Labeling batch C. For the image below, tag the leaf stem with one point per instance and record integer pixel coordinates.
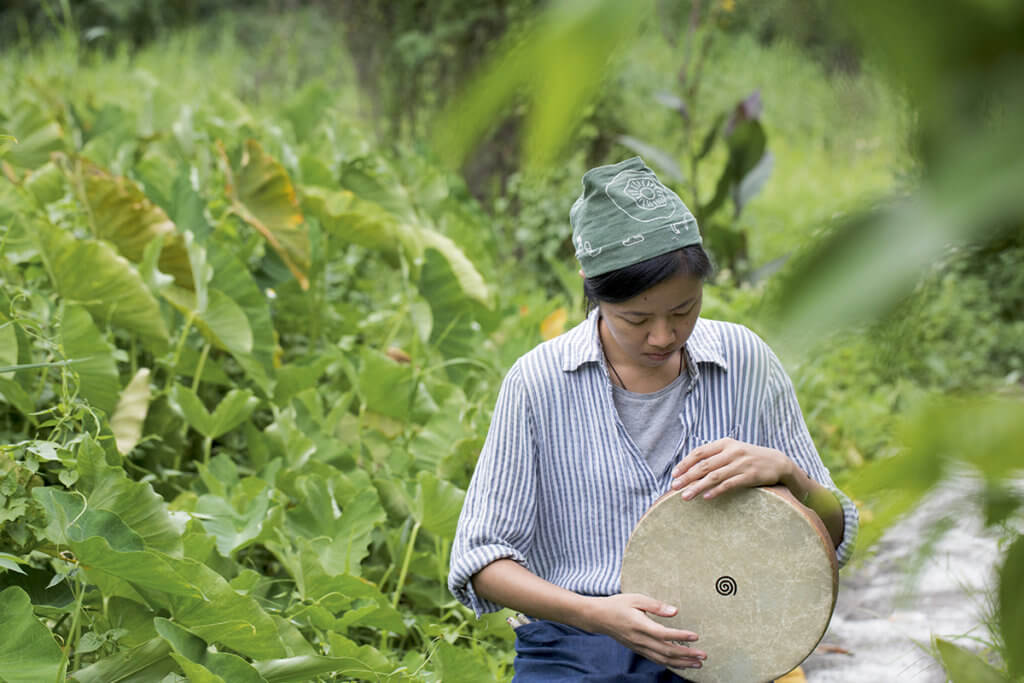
(178, 349)
(405, 565)
(199, 367)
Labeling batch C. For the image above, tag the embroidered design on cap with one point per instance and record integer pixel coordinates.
(651, 201)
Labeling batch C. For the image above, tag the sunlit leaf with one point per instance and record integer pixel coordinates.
(199, 664)
(28, 653)
(99, 382)
(126, 422)
(46, 183)
(123, 215)
(455, 328)
(262, 194)
(240, 521)
(92, 274)
(965, 667)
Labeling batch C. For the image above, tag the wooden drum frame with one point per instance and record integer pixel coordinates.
(752, 572)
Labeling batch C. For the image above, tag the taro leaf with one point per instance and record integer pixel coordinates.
(223, 322)
(364, 661)
(560, 61)
(753, 182)
(126, 422)
(93, 274)
(746, 141)
(390, 388)
(194, 594)
(134, 619)
(198, 663)
(99, 382)
(436, 504)
(1010, 611)
(11, 562)
(458, 664)
(12, 392)
(232, 410)
(187, 208)
(455, 329)
(390, 195)
(147, 662)
(347, 217)
(668, 165)
(965, 667)
(262, 194)
(71, 521)
(124, 216)
(108, 487)
(231, 277)
(305, 108)
(28, 653)
(338, 523)
(37, 134)
(469, 279)
(47, 183)
(238, 522)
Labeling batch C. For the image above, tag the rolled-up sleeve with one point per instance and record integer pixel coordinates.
(785, 429)
(497, 518)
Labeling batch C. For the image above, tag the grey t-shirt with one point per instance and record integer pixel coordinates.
(653, 420)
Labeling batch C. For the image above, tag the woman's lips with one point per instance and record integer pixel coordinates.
(660, 356)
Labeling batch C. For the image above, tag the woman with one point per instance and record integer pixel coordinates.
(592, 427)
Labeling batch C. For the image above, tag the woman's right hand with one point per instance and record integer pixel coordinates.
(624, 618)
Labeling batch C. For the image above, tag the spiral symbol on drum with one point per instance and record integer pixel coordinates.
(726, 585)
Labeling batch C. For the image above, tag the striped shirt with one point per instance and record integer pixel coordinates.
(560, 485)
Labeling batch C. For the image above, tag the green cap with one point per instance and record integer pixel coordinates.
(625, 215)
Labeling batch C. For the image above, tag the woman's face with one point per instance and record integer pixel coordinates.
(648, 330)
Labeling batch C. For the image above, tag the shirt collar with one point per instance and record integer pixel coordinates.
(584, 344)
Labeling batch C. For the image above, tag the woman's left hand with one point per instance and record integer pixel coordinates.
(726, 464)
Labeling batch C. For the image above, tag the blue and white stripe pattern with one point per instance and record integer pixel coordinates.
(560, 485)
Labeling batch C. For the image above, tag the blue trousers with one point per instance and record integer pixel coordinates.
(547, 651)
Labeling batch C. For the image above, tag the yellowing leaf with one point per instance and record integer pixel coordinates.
(126, 218)
(126, 422)
(554, 324)
(794, 676)
(262, 194)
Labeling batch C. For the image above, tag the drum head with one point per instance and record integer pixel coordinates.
(752, 572)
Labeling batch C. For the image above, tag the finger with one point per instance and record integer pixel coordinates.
(700, 469)
(700, 453)
(712, 480)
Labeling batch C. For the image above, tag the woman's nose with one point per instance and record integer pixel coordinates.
(661, 335)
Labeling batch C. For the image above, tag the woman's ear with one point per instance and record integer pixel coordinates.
(580, 271)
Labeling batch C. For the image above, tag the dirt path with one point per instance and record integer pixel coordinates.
(886, 625)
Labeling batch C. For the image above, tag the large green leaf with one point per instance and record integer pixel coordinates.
(965, 667)
(93, 274)
(130, 414)
(37, 135)
(96, 368)
(221, 321)
(240, 521)
(123, 215)
(145, 663)
(231, 277)
(337, 519)
(201, 665)
(1010, 607)
(262, 194)
(135, 502)
(436, 504)
(232, 410)
(28, 653)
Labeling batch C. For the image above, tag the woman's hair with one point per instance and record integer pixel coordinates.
(625, 283)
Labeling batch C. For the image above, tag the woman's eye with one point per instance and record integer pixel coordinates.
(634, 322)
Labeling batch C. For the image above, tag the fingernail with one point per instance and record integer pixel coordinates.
(687, 494)
(695, 665)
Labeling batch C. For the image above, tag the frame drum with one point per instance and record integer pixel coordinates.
(752, 572)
